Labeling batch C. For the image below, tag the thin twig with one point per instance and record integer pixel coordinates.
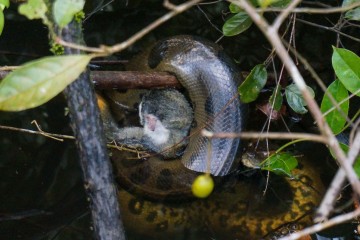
(329, 29)
(42, 133)
(268, 135)
(314, 10)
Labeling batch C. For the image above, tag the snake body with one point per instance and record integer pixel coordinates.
(211, 79)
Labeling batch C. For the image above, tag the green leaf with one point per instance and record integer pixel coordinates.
(346, 65)
(4, 4)
(254, 82)
(335, 119)
(33, 9)
(237, 24)
(38, 81)
(276, 98)
(295, 99)
(235, 8)
(2, 20)
(64, 10)
(280, 163)
(353, 14)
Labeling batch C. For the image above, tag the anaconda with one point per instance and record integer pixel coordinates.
(237, 209)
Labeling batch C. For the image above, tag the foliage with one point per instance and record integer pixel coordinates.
(281, 163)
(237, 24)
(336, 119)
(38, 81)
(353, 14)
(254, 82)
(240, 21)
(276, 99)
(346, 66)
(3, 4)
(65, 10)
(295, 98)
(34, 9)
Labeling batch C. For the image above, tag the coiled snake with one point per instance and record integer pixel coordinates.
(235, 210)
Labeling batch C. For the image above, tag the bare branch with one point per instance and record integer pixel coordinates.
(132, 79)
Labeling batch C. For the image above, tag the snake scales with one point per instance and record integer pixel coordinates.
(237, 209)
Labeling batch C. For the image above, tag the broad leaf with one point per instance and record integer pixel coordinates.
(38, 81)
(254, 82)
(4, 4)
(2, 20)
(346, 65)
(280, 163)
(335, 119)
(235, 8)
(237, 24)
(295, 98)
(64, 10)
(276, 98)
(353, 14)
(33, 9)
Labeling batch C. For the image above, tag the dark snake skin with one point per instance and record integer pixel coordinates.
(211, 79)
(156, 202)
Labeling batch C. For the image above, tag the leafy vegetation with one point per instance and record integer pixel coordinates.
(38, 81)
(3, 4)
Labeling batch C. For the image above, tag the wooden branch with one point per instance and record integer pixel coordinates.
(132, 79)
(128, 79)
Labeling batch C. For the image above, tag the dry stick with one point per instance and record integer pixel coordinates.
(132, 79)
(42, 133)
(272, 35)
